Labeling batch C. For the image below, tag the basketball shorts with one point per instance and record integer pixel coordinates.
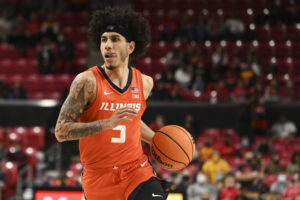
(117, 182)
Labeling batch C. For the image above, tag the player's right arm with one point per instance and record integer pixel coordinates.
(82, 92)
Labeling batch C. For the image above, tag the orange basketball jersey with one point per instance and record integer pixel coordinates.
(121, 144)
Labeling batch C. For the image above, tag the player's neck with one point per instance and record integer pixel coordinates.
(119, 75)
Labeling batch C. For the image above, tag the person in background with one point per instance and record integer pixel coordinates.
(206, 151)
(280, 185)
(46, 58)
(50, 27)
(5, 27)
(3, 178)
(216, 168)
(274, 166)
(294, 165)
(33, 29)
(18, 92)
(202, 189)
(66, 53)
(247, 174)
(230, 191)
(284, 128)
(227, 148)
(294, 190)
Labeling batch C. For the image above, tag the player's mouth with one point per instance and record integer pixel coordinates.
(110, 56)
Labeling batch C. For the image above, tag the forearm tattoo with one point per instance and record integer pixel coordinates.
(68, 127)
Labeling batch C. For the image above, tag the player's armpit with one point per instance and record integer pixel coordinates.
(147, 85)
(82, 91)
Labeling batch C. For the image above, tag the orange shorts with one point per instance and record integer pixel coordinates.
(117, 182)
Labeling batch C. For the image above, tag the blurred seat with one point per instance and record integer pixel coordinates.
(6, 66)
(278, 33)
(263, 33)
(81, 49)
(62, 82)
(270, 179)
(20, 66)
(36, 137)
(32, 156)
(47, 83)
(32, 66)
(11, 170)
(31, 83)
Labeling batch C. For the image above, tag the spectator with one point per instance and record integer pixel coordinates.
(239, 92)
(186, 180)
(16, 154)
(227, 148)
(66, 53)
(160, 93)
(284, 128)
(202, 188)
(274, 166)
(247, 74)
(219, 61)
(175, 92)
(230, 190)
(189, 124)
(234, 28)
(198, 83)
(174, 59)
(183, 76)
(294, 165)
(280, 185)
(288, 92)
(216, 168)
(50, 27)
(264, 148)
(46, 58)
(17, 34)
(18, 92)
(5, 27)
(254, 61)
(294, 190)
(4, 90)
(158, 123)
(2, 181)
(33, 29)
(247, 174)
(245, 145)
(272, 91)
(2, 152)
(206, 151)
(214, 28)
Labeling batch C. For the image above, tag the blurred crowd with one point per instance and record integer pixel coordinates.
(226, 166)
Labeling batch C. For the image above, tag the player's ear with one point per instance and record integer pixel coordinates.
(131, 47)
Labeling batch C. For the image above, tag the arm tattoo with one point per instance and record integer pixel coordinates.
(68, 127)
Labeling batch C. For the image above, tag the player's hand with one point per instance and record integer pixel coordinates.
(121, 114)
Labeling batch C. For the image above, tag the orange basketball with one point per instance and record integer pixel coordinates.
(172, 147)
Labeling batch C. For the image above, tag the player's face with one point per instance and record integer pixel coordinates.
(115, 49)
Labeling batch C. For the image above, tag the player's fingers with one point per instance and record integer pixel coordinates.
(126, 114)
(125, 119)
(126, 109)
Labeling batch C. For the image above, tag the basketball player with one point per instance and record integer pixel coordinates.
(103, 111)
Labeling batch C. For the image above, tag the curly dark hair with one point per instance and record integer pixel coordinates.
(125, 17)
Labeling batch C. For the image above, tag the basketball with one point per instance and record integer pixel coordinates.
(172, 147)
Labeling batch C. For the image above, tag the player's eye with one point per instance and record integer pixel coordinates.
(103, 39)
(115, 39)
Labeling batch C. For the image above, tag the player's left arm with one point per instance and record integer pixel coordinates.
(147, 133)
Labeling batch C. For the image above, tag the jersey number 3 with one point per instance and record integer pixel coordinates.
(122, 137)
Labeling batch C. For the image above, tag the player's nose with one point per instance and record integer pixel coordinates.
(108, 44)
